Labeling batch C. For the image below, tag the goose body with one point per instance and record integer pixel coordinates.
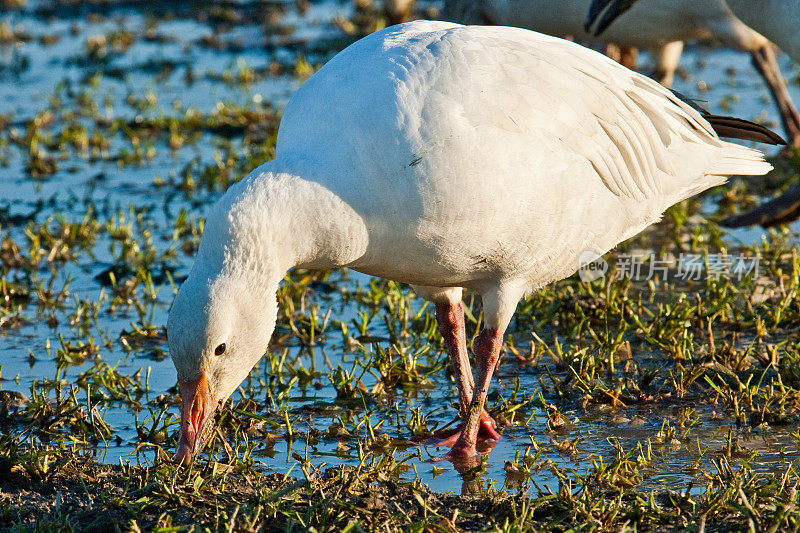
(447, 157)
(505, 101)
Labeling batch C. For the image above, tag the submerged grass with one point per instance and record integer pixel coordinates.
(668, 403)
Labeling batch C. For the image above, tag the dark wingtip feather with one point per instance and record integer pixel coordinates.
(732, 127)
(737, 128)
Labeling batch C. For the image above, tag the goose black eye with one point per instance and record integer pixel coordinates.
(219, 350)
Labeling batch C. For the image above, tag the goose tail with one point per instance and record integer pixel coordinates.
(739, 160)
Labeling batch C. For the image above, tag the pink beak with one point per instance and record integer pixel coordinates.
(196, 409)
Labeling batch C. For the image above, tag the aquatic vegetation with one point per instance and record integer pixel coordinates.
(642, 401)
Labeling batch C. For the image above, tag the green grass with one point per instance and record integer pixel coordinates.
(625, 405)
(74, 494)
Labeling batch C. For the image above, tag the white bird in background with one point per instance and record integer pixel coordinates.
(446, 157)
(658, 25)
(779, 21)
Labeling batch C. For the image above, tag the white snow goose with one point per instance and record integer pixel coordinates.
(446, 157)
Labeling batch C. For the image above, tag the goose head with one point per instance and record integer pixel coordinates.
(224, 313)
(218, 328)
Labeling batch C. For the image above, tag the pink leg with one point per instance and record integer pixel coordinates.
(450, 318)
(487, 351)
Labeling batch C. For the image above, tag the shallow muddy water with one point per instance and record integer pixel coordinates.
(147, 170)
